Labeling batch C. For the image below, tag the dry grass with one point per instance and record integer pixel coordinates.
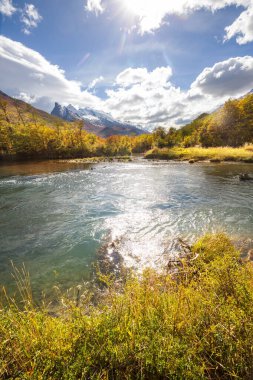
(243, 154)
(195, 324)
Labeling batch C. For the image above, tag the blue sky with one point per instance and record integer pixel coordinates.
(152, 62)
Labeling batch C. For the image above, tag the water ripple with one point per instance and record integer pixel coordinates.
(56, 220)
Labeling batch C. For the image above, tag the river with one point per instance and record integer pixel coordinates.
(56, 215)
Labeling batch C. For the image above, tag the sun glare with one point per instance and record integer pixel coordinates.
(150, 13)
(139, 7)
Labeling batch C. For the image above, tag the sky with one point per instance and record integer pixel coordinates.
(148, 62)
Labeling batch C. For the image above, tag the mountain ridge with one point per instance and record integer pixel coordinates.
(100, 122)
(19, 109)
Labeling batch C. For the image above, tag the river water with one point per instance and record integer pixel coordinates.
(54, 216)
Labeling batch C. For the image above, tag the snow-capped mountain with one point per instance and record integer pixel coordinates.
(97, 122)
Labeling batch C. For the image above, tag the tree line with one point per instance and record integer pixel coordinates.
(24, 137)
(231, 125)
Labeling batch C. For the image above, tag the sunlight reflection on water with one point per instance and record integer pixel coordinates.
(54, 217)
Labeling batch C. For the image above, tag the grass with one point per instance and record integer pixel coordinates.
(193, 323)
(243, 154)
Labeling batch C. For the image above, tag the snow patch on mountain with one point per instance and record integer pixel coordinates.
(99, 119)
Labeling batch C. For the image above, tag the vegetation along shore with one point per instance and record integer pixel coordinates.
(217, 154)
(193, 322)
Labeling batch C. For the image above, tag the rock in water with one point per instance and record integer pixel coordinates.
(245, 177)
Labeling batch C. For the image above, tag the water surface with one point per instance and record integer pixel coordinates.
(55, 216)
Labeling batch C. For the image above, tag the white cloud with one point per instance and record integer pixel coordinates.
(30, 17)
(151, 14)
(147, 98)
(26, 98)
(131, 76)
(242, 28)
(94, 6)
(25, 70)
(228, 78)
(95, 82)
(7, 8)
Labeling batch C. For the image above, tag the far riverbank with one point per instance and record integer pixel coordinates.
(216, 154)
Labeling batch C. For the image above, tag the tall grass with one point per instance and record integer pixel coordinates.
(194, 323)
(244, 154)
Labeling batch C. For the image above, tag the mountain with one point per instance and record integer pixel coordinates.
(95, 121)
(19, 111)
(27, 133)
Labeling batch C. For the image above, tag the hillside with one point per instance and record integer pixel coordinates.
(14, 110)
(230, 125)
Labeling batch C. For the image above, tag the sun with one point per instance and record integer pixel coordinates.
(149, 13)
(140, 8)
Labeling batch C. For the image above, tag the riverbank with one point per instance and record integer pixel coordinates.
(95, 160)
(243, 154)
(195, 322)
(77, 160)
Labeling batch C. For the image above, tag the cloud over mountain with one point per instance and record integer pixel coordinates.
(27, 71)
(137, 95)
